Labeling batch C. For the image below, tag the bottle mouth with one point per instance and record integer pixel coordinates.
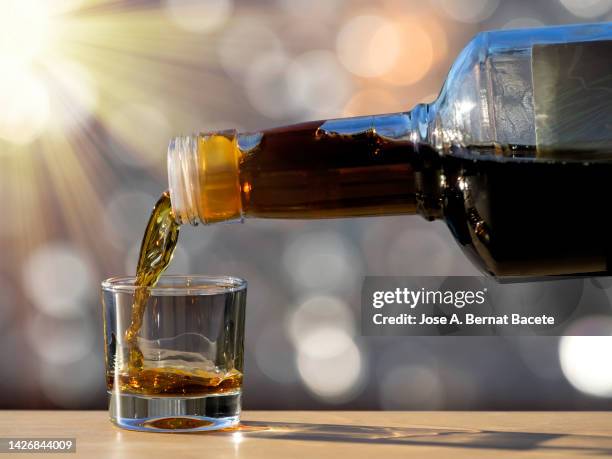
(203, 177)
(183, 178)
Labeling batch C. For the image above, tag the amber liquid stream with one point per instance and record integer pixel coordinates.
(158, 244)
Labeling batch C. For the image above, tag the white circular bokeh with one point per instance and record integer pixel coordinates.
(318, 84)
(60, 341)
(330, 364)
(585, 361)
(267, 87)
(317, 311)
(587, 8)
(323, 262)
(58, 280)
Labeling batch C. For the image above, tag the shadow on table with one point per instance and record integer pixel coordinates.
(415, 436)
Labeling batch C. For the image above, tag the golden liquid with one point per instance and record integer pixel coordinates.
(158, 244)
(174, 381)
(219, 198)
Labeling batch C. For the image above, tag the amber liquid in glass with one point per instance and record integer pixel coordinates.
(158, 244)
(174, 381)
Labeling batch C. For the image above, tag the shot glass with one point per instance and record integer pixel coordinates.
(182, 370)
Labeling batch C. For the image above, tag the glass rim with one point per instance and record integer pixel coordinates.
(192, 284)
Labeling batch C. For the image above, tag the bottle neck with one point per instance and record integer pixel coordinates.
(362, 166)
(414, 125)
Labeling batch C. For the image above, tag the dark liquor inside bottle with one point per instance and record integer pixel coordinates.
(518, 217)
(515, 155)
(302, 172)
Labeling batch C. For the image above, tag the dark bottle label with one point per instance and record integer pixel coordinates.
(572, 92)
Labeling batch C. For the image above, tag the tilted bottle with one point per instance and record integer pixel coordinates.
(515, 155)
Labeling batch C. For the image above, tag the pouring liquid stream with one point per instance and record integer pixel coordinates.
(158, 244)
(146, 378)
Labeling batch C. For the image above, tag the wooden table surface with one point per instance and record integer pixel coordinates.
(334, 434)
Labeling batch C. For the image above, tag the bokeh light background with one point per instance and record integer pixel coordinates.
(90, 93)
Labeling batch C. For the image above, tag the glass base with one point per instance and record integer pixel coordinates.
(175, 414)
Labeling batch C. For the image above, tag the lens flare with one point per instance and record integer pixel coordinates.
(25, 106)
(87, 88)
(25, 31)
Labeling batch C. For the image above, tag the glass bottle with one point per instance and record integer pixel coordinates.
(515, 155)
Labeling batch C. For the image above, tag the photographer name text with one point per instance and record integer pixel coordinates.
(468, 319)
